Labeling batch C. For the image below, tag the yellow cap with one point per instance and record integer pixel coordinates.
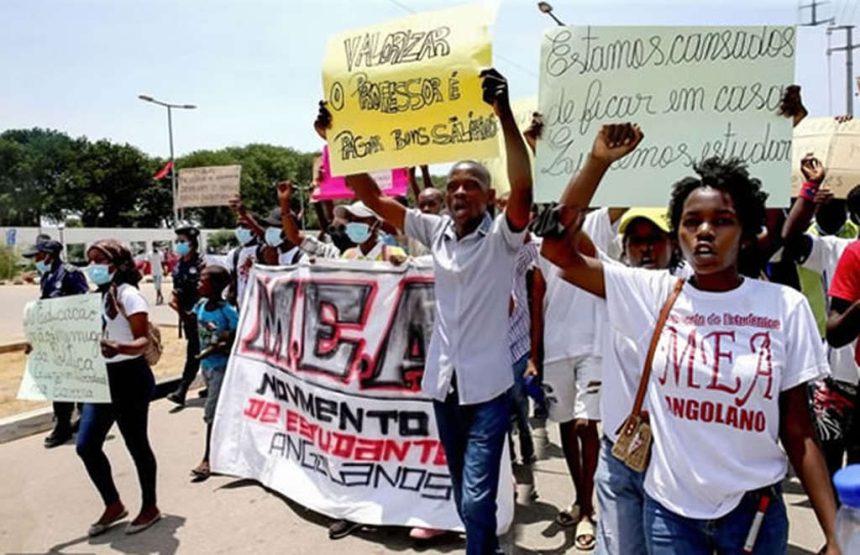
(656, 216)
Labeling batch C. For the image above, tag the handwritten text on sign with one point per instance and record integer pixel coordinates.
(408, 92)
(697, 92)
(836, 144)
(209, 186)
(322, 398)
(66, 363)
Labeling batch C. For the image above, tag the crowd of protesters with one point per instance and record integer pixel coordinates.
(747, 315)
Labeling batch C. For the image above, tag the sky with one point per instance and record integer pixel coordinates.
(253, 67)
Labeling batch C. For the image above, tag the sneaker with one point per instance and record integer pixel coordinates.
(58, 436)
(341, 529)
(424, 534)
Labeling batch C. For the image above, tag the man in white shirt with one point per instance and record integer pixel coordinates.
(156, 269)
(468, 371)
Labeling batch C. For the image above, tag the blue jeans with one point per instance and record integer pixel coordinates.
(520, 411)
(672, 534)
(474, 437)
(131, 388)
(620, 501)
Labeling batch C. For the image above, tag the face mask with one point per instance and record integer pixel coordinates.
(273, 236)
(358, 232)
(244, 235)
(100, 274)
(183, 248)
(42, 266)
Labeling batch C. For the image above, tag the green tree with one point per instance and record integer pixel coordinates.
(262, 166)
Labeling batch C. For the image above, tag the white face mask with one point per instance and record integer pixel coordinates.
(273, 236)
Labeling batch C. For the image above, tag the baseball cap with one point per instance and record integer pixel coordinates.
(656, 216)
(47, 246)
(357, 209)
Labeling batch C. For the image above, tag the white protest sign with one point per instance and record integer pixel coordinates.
(209, 186)
(836, 144)
(322, 399)
(66, 362)
(697, 92)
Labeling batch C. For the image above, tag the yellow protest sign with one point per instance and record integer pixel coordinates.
(408, 92)
(523, 109)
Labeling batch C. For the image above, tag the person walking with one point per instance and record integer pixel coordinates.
(57, 279)
(186, 276)
(126, 320)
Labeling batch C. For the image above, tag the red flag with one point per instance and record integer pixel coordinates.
(162, 173)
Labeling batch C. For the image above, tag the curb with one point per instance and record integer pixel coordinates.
(41, 420)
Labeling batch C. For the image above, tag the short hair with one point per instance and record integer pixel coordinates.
(853, 202)
(219, 276)
(731, 177)
(478, 168)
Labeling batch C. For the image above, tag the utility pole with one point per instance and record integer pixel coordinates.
(815, 22)
(849, 63)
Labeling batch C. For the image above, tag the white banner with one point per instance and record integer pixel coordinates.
(697, 92)
(66, 362)
(322, 398)
(208, 186)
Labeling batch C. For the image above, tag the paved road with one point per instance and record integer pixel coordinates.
(47, 503)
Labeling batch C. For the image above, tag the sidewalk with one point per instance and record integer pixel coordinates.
(47, 504)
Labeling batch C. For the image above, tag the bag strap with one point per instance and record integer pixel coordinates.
(652, 348)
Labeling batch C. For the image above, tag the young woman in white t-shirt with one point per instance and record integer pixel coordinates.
(125, 318)
(729, 373)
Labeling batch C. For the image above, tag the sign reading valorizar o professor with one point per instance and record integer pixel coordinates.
(696, 92)
(208, 186)
(408, 92)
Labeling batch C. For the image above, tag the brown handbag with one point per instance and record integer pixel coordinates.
(633, 446)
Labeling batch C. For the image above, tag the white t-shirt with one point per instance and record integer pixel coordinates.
(290, 257)
(823, 258)
(118, 329)
(571, 325)
(156, 262)
(622, 365)
(722, 361)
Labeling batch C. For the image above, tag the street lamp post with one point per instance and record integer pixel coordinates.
(546, 7)
(170, 107)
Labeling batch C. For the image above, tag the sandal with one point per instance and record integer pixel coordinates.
(569, 516)
(201, 473)
(586, 538)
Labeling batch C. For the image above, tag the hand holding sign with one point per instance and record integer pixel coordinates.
(323, 122)
(791, 105)
(494, 89)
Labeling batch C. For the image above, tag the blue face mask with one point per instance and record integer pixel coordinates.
(100, 274)
(244, 235)
(273, 236)
(358, 232)
(183, 248)
(42, 267)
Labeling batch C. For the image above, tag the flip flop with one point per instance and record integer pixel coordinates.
(199, 474)
(569, 516)
(586, 538)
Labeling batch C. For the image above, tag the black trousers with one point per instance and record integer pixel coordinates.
(192, 349)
